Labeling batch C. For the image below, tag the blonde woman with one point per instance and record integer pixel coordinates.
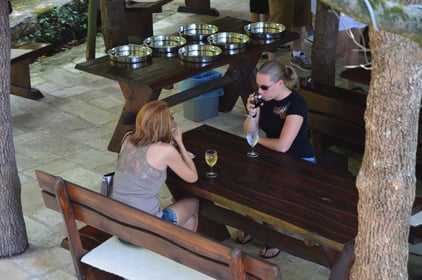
(283, 116)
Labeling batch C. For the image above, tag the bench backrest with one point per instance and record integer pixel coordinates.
(336, 117)
(192, 249)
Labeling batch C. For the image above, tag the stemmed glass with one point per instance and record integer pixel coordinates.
(211, 157)
(252, 138)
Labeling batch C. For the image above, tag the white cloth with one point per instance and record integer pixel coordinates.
(135, 263)
(347, 22)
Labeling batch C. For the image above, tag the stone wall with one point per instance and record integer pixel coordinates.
(23, 19)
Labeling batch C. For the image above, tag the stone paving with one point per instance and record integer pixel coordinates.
(67, 133)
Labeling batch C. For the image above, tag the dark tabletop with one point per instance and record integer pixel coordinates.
(303, 197)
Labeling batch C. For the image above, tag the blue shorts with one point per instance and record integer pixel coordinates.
(169, 216)
(310, 159)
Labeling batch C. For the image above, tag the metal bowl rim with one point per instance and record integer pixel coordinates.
(262, 24)
(199, 59)
(150, 42)
(180, 29)
(243, 37)
(125, 59)
(155, 38)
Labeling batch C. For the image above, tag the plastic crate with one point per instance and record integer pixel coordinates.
(204, 106)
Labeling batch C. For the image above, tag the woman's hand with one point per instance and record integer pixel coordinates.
(250, 106)
(176, 133)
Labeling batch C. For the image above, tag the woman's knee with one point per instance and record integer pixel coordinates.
(195, 203)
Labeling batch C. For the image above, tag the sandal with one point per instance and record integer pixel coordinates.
(267, 254)
(246, 238)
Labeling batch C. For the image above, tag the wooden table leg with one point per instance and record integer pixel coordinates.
(135, 98)
(343, 263)
(201, 7)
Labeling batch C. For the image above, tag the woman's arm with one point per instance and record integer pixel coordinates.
(288, 134)
(252, 118)
(181, 161)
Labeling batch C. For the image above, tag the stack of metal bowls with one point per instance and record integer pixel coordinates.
(197, 31)
(229, 42)
(264, 32)
(165, 45)
(197, 52)
(131, 53)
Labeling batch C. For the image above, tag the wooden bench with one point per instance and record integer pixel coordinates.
(22, 55)
(201, 7)
(139, 22)
(359, 75)
(170, 242)
(336, 118)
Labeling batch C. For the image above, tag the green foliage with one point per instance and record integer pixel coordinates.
(62, 25)
(395, 12)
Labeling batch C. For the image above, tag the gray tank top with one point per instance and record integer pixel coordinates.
(136, 183)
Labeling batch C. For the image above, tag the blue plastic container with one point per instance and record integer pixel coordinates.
(204, 106)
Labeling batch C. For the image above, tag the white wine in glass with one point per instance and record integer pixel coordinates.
(211, 158)
(252, 138)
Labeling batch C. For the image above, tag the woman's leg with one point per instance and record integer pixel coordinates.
(187, 212)
(352, 55)
(341, 44)
(253, 17)
(348, 49)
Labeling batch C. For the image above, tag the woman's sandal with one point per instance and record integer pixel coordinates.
(246, 238)
(269, 255)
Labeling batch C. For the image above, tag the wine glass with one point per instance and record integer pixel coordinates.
(211, 157)
(252, 138)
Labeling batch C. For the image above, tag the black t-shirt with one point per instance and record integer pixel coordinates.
(272, 117)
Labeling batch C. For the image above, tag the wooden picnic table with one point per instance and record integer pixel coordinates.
(143, 84)
(305, 200)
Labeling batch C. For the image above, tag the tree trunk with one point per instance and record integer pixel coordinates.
(13, 238)
(386, 180)
(324, 46)
(113, 23)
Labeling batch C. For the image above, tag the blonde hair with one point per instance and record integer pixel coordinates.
(277, 72)
(153, 124)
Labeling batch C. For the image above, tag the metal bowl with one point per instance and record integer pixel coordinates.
(165, 43)
(199, 53)
(265, 30)
(130, 53)
(197, 31)
(229, 40)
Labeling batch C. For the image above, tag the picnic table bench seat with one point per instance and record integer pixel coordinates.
(23, 54)
(172, 250)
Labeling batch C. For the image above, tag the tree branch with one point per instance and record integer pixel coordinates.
(390, 16)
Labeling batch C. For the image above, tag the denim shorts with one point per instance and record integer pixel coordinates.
(169, 216)
(310, 159)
